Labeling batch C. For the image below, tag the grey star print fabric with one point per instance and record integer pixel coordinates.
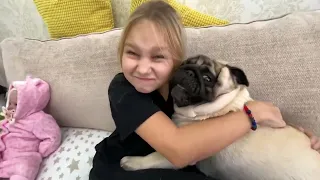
(73, 159)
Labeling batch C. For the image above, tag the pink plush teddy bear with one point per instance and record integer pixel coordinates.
(28, 133)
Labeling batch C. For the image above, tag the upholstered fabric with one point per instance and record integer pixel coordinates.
(20, 18)
(189, 16)
(280, 58)
(67, 18)
(3, 79)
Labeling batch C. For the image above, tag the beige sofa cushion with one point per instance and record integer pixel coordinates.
(280, 57)
(78, 70)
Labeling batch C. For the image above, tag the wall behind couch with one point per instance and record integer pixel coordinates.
(232, 10)
(20, 17)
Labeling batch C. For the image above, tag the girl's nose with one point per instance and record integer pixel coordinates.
(144, 66)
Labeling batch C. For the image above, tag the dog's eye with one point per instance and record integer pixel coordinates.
(207, 78)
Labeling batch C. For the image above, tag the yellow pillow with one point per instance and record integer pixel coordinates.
(66, 18)
(190, 17)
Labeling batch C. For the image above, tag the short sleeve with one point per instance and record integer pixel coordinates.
(129, 108)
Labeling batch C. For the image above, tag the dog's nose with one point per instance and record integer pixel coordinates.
(190, 73)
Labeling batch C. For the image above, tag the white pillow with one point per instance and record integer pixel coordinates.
(73, 159)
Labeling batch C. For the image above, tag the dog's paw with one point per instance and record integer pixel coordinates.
(131, 163)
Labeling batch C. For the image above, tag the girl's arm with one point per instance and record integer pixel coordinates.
(196, 141)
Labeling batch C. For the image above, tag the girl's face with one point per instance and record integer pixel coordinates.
(146, 62)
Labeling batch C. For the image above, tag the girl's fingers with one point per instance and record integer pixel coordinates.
(301, 129)
(316, 146)
(314, 140)
(308, 133)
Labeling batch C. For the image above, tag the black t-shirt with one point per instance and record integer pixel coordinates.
(130, 109)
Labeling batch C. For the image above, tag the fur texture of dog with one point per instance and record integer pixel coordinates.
(205, 88)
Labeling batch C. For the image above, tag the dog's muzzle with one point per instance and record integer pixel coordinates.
(187, 88)
(187, 80)
(180, 96)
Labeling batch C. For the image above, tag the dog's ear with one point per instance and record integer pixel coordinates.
(239, 75)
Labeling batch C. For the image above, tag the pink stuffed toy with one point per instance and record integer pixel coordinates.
(28, 134)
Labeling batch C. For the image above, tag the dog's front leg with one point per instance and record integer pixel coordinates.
(151, 161)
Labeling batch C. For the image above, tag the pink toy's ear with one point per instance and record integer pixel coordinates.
(36, 81)
(28, 77)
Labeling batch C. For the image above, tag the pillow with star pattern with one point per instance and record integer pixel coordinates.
(73, 159)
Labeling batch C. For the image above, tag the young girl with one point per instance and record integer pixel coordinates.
(152, 46)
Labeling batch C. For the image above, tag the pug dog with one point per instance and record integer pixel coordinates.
(205, 88)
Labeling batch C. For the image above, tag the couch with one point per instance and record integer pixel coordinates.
(280, 57)
(21, 18)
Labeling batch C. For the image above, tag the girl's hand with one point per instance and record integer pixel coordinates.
(266, 114)
(315, 141)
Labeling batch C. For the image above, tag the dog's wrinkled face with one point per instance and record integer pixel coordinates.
(200, 79)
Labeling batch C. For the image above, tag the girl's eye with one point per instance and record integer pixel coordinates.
(131, 53)
(207, 78)
(158, 57)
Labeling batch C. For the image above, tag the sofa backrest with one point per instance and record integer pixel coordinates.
(3, 80)
(279, 56)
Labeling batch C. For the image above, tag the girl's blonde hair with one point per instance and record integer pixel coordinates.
(166, 20)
